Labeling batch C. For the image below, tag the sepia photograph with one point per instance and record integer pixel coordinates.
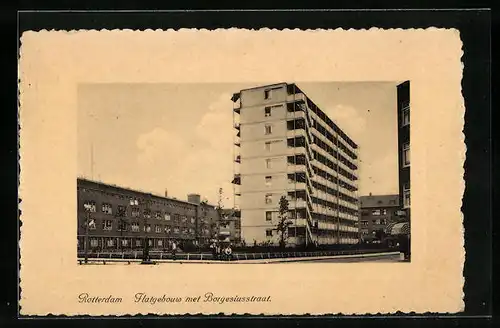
(246, 173)
(234, 171)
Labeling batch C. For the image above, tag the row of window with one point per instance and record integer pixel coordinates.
(375, 212)
(135, 201)
(377, 221)
(107, 225)
(112, 242)
(135, 211)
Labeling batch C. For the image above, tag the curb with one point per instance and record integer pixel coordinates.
(262, 261)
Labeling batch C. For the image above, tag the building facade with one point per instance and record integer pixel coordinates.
(403, 97)
(286, 146)
(377, 212)
(116, 218)
(232, 231)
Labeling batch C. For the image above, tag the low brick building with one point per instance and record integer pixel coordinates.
(377, 211)
(117, 218)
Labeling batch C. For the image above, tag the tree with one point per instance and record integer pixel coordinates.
(223, 216)
(121, 214)
(283, 221)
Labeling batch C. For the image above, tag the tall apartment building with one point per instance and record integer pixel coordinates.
(403, 97)
(286, 145)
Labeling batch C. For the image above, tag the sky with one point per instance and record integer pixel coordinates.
(179, 137)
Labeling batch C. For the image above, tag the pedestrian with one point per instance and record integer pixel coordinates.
(174, 250)
(213, 247)
(228, 252)
(218, 251)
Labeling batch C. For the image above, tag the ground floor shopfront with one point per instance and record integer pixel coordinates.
(122, 243)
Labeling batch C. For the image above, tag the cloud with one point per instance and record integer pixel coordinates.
(349, 120)
(199, 161)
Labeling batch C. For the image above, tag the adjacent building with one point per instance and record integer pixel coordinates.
(377, 212)
(116, 218)
(403, 98)
(285, 145)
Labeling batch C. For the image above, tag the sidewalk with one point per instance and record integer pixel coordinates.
(262, 261)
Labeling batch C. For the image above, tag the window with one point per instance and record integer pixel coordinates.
(364, 223)
(268, 163)
(406, 154)
(384, 211)
(160, 243)
(364, 232)
(377, 221)
(107, 225)
(89, 206)
(269, 216)
(405, 114)
(134, 227)
(124, 242)
(267, 94)
(110, 243)
(406, 195)
(269, 198)
(167, 216)
(94, 242)
(138, 242)
(168, 229)
(383, 221)
(135, 212)
(158, 215)
(122, 226)
(147, 228)
(121, 211)
(268, 181)
(376, 212)
(269, 129)
(147, 213)
(267, 111)
(176, 230)
(106, 208)
(269, 232)
(92, 224)
(158, 229)
(268, 146)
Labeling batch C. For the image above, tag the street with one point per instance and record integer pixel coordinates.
(379, 259)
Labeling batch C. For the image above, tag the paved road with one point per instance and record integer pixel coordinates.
(380, 259)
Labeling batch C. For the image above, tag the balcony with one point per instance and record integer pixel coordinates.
(296, 97)
(237, 179)
(296, 185)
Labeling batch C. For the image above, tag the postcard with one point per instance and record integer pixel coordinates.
(265, 172)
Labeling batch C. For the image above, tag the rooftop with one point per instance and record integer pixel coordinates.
(117, 188)
(374, 201)
(294, 89)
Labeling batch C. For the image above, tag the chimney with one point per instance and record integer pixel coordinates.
(166, 193)
(194, 198)
(370, 194)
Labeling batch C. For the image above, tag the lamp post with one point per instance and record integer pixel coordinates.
(88, 218)
(145, 258)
